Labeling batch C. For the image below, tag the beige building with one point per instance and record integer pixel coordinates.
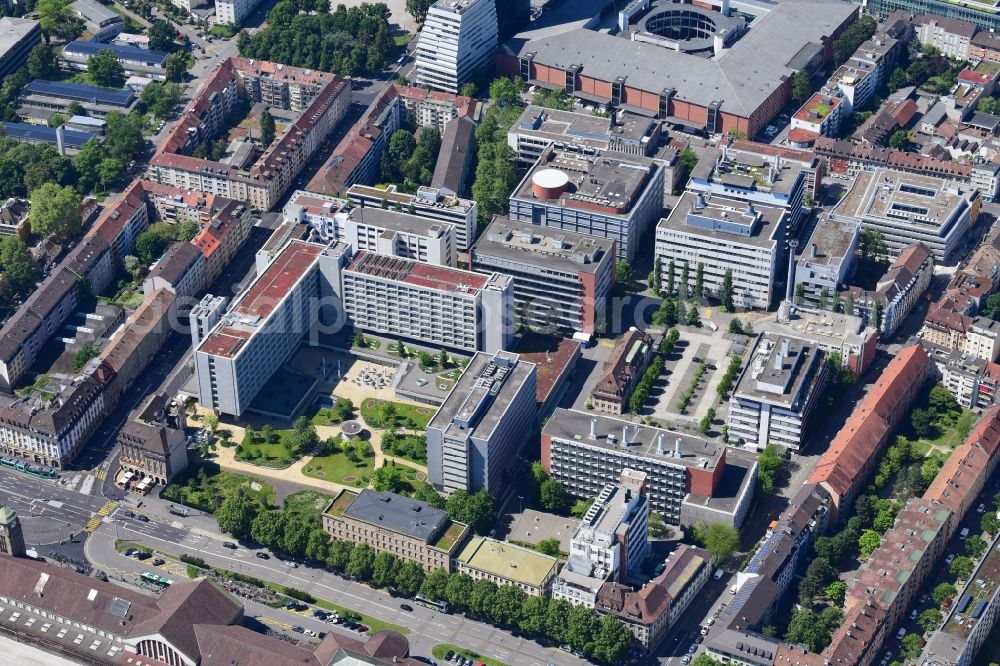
(622, 373)
(506, 564)
(408, 528)
(153, 445)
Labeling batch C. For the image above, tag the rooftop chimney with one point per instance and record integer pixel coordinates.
(677, 448)
(624, 435)
(593, 428)
(659, 444)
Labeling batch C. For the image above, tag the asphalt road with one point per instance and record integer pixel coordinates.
(428, 627)
(50, 512)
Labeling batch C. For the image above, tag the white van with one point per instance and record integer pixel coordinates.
(964, 534)
(718, 574)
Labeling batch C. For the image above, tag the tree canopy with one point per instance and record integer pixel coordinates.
(55, 209)
(105, 70)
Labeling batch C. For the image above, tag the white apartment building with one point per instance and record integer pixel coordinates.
(476, 437)
(611, 541)
(428, 202)
(375, 229)
(725, 234)
(561, 279)
(434, 305)
(982, 340)
(776, 392)
(233, 11)
(910, 208)
(948, 35)
(457, 39)
(263, 327)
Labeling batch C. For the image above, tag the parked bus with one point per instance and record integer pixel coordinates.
(431, 603)
(155, 580)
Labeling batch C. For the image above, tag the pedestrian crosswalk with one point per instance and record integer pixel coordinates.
(608, 344)
(92, 524)
(107, 508)
(102, 513)
(100, 474)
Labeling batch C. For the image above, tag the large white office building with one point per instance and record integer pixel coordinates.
(476, 437)
(912, 208)
(776, 392)
(264, 326)
(434, 305)
(233, 11)
(723, 234)
(458, 38)
(375, 229)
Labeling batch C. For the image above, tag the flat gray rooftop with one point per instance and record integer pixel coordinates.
(642, 441)
(402, 222)
(460, 404)
(579, 128)
(833, 240)
(777, 369)
(13, 30)
(723, 210)
(742, 77)
(397, 513)
(747, 169)
(541, 247)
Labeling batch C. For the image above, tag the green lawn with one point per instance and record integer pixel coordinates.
(402, 40)
(337, 468)
(206, 486)
(121, 545)
(268, 455)
(415, 417)
(948, 436)
(441, 650)
(407, 447)
(307, 502)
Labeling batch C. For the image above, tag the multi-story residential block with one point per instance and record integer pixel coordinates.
(181, 270)
(972, 381)
(950, 36)
(806, 160)
(650, 611)
(504, 563)
(153, 445)
(409, 529)
(457, 39)
(475, 439)
(908, 208)
(714, 78)
(427, 202)
(849, 461)
(726, 234)
(50, 427)
(602, 194)
(318, 99)
(135, 61)
(263, 327)
(375, 229)
(101, 22)
(233, 12)
(910, 549)
(14, 216)
(899, 289)
(17, 37)
(845, 159)
(827, 260)
(357, 158)
(971, 619)
(436, 305)
(982, 340)
(622, 372)
(539, 127)
(776, 392)
(562, 280)
(819, 116)
(975, 337)
(688, 479)
(985, 177)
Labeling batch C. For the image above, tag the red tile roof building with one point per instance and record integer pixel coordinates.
(320, 100)
(854, 452)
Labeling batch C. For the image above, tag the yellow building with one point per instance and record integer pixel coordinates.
(506, 564)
